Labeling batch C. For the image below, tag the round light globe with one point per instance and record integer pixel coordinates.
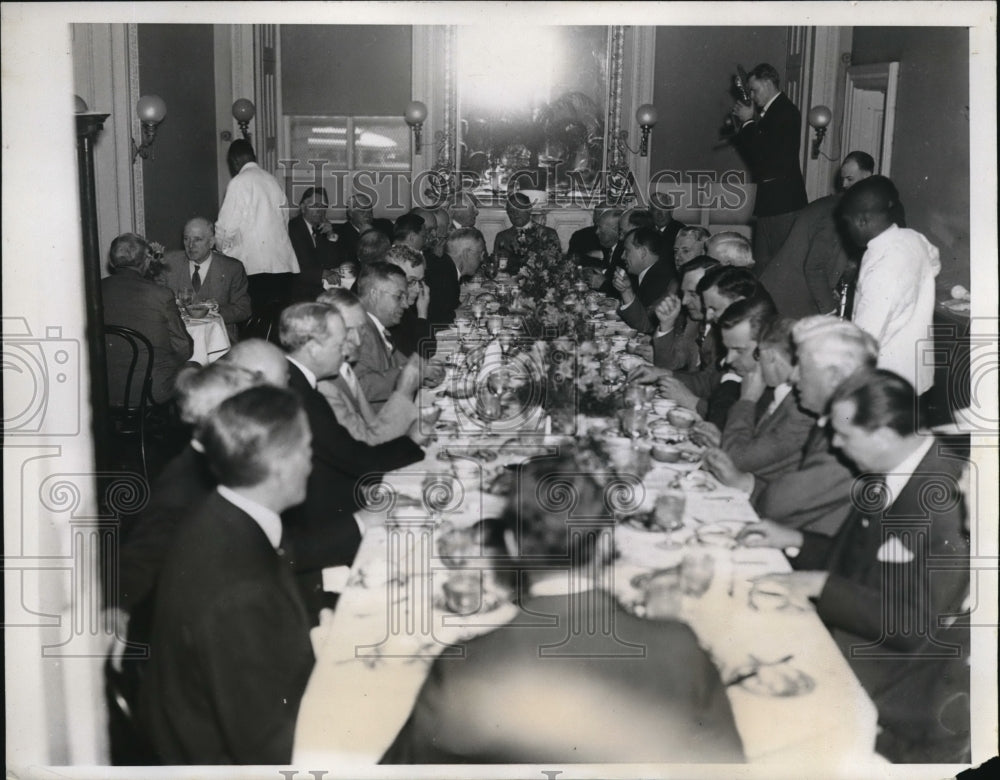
(646, 115)
(151, 109)
(243, 110)
(416, 113)
(819, 116)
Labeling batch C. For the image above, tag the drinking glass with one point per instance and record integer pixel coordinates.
(669, 511)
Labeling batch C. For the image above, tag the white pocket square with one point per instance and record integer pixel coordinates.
(894, 551)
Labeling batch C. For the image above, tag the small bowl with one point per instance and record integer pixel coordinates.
(681, 418)
(197, 311)
(665, 453)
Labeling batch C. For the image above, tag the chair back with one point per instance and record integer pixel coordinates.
(130, 369)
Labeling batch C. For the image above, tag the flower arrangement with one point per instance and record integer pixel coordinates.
(155, 267)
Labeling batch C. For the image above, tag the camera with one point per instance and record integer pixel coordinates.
(41, 379)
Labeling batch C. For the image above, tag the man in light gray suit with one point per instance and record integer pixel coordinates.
(383, 292)
(765, 430)
(210, 274)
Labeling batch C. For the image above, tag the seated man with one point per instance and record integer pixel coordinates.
(591, 247)
(443, 219)
(700, 390)
(133, 301)
(730, 248)
(466, 249)
(315, 243)
(372, 246)
(410, 230)
(629, 220)
(681, 341)
(689, 244)
(464, 210)
(210, 274)
(430, 232)
(512, 245)
(662, 212)
(646, 693)
(230, 654)
(322, 530)
(891, 610)
(765, 429)
(413, 333)
(817, 495)
(184, 483)
(382, 290)
(359, 219)
(398, 417)
(653, 275)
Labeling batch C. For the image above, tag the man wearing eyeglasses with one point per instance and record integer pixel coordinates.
(413, 332)
(382, 288)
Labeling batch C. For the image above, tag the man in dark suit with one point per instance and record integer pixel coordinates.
(315, 244)
(219, 278)
(322, 530)
(591, 247)
(662, 211)
(230, 654)
(639, 690)
(817, 254)
(769, 144)
(512, 245)
(890, 585)
(653, 274)
(466, 249)
(133, 301)
(765, 430)
(360, 218)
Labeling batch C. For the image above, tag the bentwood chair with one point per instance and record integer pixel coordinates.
(130, 382)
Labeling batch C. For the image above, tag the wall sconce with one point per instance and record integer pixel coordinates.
(243, 111)
(819, 117)
(151, 110)
(645, 115)
(415, 114)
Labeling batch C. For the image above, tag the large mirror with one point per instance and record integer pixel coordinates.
(532, 105)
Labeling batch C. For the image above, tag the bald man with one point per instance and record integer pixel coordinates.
(212, 275)
(262, 359)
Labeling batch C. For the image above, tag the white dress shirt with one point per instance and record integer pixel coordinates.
(894, 302)
(780, 393)
(253, 223)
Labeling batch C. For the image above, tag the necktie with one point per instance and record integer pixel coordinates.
(388, 341)
(196, 279)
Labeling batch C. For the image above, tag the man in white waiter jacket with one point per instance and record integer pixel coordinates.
(894, 298)
(253, 228)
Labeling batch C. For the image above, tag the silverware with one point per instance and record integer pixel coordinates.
(757, 667)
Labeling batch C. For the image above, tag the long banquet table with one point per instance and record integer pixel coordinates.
(392, 620)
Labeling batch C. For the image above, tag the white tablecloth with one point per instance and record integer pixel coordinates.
(211, 341)
(391, 621)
